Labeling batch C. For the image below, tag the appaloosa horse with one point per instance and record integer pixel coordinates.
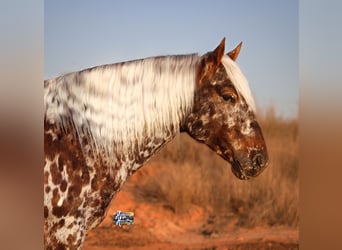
(102, 124)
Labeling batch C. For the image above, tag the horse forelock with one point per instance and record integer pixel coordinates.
(117, 106)
(239, 80)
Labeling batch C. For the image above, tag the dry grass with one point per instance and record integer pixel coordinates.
(189, 173)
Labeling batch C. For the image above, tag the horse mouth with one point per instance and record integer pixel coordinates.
(247, 168)
(237, 169)
(236, 166)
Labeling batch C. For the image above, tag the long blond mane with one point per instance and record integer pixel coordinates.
(119, 105)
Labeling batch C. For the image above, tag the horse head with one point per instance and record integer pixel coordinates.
(223, 114)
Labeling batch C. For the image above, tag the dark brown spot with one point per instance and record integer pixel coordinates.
(95, 203)
(60, 211)
(79, 242)
(69, 169)
(46, 177)
(70, 198)
(94, 185)
(55, 174)
(46, 212)
(61, 163)
(71, 239)
(85, 177)
(75, 190)
(60, 246)
(60, 167)
(47, 189)
(63, 186)
(55, 197)
(61, 223)
(76, 213)
(212, 110)
(197, 125)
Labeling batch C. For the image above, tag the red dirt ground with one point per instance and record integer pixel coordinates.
(158, 227)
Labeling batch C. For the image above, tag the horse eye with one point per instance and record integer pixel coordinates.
(228, 98)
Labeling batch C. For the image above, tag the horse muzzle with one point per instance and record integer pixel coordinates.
(245, 169)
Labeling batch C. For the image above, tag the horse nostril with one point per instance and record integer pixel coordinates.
(259, 160)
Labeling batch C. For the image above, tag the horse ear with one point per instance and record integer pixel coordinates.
(210, 63)
(219, 51)
(235, 52)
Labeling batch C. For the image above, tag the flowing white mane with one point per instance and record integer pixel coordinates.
(239, 80)
(119, 105)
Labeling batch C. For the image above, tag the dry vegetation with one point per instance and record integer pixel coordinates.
(190, 174)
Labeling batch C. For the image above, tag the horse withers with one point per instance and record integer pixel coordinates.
(103, 123)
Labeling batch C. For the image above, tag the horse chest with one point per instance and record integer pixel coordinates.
(78, 188)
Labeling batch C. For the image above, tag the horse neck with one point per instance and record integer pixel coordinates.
(70, 164)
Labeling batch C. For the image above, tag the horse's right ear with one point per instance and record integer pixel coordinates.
(235, 52)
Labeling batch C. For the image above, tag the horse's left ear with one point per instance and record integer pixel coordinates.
(219, 51)
(235, 52)
(210, 62)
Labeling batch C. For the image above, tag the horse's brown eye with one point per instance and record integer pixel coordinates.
(229, 98)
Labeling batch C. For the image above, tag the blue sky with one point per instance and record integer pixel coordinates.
(81, 34)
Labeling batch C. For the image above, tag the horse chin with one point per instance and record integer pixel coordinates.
(236, 166)
(238, 172)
